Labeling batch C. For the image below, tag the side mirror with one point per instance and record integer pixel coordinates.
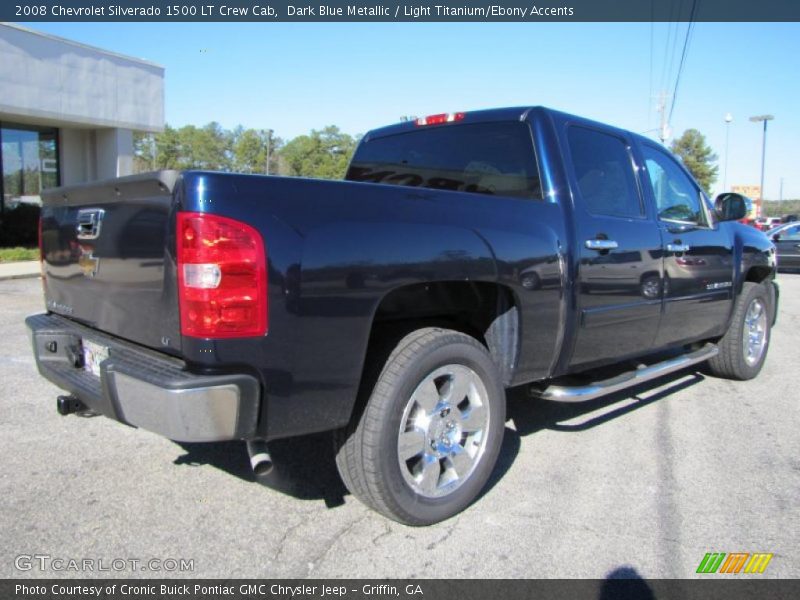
(776, 237)
(730, 207)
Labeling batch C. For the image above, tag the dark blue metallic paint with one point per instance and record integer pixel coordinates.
(337, 250)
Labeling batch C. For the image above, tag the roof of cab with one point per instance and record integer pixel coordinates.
(475, 116)
(502, 114)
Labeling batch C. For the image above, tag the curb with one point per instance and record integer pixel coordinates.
(20, 269)
(20, 276)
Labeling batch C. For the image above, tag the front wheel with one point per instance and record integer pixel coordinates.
(743, 348)
(429, 436)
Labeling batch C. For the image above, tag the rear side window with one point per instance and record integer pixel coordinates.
(604, 172)
(481, 158)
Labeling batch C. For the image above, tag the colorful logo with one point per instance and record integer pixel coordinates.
(734, 562)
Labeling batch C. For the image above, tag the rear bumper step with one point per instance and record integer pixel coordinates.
(583, 393)
(144, 388)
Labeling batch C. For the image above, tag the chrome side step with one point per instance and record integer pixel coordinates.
(563, 393)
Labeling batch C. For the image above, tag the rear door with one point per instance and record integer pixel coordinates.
(698, 252)
(620, 270)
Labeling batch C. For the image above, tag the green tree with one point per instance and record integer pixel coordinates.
(698, 157)
(323, 154)
(168, 149)
(251, 148)
(207, 147)
(144, 145)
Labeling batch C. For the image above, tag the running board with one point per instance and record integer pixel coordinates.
(582, 393)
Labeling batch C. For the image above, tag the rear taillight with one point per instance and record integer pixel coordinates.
(222, 277)
(440, 118)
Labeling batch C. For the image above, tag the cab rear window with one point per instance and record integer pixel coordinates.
(481, 158)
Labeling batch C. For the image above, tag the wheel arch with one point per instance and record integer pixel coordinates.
(487, 311)
(758, 273)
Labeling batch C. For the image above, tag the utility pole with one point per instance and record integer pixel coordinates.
(269, 144)
(758, 119)
(663, 130)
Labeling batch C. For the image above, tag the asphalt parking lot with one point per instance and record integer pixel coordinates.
(648, 480)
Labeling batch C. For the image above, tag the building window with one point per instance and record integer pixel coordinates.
(29, 160)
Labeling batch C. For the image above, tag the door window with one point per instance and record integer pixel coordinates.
(604, 172)
(677, 198)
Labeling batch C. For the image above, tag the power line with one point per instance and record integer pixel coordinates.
(677, 15)
(667, 61)
(686, 40)
(650, 91)
(670, 28)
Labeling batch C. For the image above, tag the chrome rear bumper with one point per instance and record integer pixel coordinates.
(144, 388)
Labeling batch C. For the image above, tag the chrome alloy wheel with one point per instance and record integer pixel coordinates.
(754, 332)
(443, 431)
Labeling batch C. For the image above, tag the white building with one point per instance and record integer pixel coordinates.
(68, 112)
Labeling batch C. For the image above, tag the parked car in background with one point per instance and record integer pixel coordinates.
(787, 244)
(789, 218)
(767, 223)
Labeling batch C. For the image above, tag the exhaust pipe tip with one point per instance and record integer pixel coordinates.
(260, 458)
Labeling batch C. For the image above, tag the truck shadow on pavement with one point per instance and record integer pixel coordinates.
(530, 415)
(305, 467)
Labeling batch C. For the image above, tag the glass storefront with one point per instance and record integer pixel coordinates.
(29, 160)
(30, 163)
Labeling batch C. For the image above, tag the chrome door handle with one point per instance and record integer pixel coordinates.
(601, 244)
(678, 247)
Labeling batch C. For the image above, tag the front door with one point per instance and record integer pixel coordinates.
(620, 270)
(698, 253)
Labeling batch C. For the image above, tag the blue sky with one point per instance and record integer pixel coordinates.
(294, 77)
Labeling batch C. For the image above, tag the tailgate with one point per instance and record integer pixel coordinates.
(107, 257)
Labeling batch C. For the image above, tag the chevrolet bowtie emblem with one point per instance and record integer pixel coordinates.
(88, 262)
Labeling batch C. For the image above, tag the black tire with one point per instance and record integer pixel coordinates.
(732, 362)
(368, 452)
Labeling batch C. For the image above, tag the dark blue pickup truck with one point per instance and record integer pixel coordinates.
(465, 253)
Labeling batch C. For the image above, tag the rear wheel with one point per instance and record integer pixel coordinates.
(430, 433)
(743, 349)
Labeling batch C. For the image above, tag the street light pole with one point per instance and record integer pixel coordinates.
(757, 119)
(728, 119)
